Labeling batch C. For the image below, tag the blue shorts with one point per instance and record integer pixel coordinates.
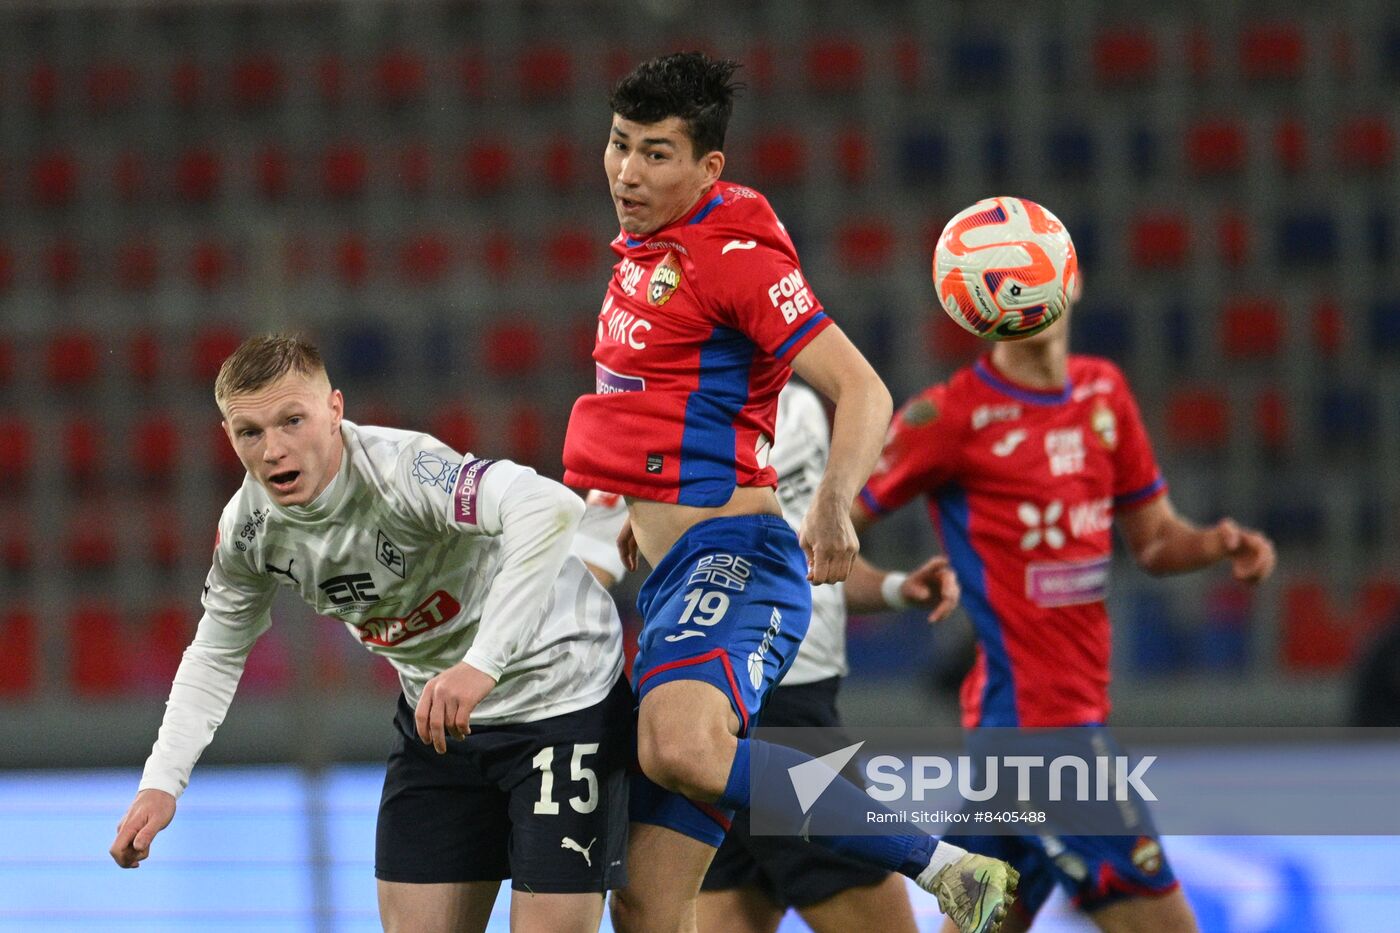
(728, 605)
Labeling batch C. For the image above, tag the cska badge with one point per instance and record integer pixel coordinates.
(1105, 425)
(665, 279)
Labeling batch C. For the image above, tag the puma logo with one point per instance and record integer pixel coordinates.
(572, 846)
(286, 573)
(738, 244)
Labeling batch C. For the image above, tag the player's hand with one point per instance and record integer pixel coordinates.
(1251, 553)
(445, 708)
(627, 546)
(149, 813)
(829, 540)
(934, 586)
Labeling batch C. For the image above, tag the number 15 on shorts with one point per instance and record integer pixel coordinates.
(544, 761)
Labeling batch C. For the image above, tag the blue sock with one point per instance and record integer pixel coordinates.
(835, 820)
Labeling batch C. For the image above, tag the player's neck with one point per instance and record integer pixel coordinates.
(1036, 366)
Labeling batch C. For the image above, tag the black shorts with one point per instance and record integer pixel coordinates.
(543, 803)
(791, 872)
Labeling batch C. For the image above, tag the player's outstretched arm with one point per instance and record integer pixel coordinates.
(932, 586)
(149, 813)
(1162, 542)
(833, 366)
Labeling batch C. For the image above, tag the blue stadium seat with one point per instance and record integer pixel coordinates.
(1347, 418)
(365, 352)
(1294, 519)
(1144, 152)
(1104, 330)
(1307, 238)
(979, 64)
(996, 155)
(1380, 237)
(1072, 152)
(1385, 325)
(923, 157)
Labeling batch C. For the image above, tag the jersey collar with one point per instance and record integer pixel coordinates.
(708, 201)
(330, 499)
(988, 373)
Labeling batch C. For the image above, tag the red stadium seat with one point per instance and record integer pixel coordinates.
(212, 344)
(525, 434)
(7, 268)
(1233, 239)
(779, 157)
(1328, 327)
(1125, 55)
(455, 427)
(426, 258)
(1215, 147)
(1272, 424)
(402, 77)
(344, 171)
(89, 545)
(474, 76)
(415, 169)
(16, 543)
(331, 80)
(352, 260)
(865, 246)
(1365, 143)
(583, 336)
(73, 359)
(16, 453)
(1200, 54)
(97, 652)
(1159, 241)
(211, 264)
(138, 267)
(948, 343)
(187, 82)
(256, 82)
(53, 179)
(761, 68)
(1291, 145)
(500, 254)
(1317, 637)
(168, 630)
(268, 671)
(562, 163)
(512, 348)
(84, 459)
(1251, 328)
(573, 254)
(197, 175)
(222, 460)
(486, 167)
(835, 66)
(63, 264)
(853, 156)
(144, 358)
(1272, 51)
(272, 172)
(908, 64)
(130, 177)
(155, 448)
(43, 86)
(19, 662)
(7, 361)
(164, 546)
(545, 73)
(111, 86)
(1198, 419)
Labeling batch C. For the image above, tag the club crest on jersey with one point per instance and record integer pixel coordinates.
(1105, 425)
(665, 279)
(919, 412)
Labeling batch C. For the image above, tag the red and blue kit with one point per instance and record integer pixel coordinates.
(1022, 487)
(700, 323)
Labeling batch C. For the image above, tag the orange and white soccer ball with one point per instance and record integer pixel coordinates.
(1005, 268)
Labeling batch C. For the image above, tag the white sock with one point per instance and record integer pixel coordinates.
(944, 854)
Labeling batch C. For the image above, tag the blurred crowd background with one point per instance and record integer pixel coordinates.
(418, 186)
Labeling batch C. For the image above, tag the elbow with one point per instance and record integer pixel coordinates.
(568, 511)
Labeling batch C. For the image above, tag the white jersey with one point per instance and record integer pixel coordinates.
(801, 444)
(428, 559)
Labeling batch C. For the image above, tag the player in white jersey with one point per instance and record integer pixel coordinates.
(515, 726)
(753, 880)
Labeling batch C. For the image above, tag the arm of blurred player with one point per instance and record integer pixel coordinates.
(1162, 542)
(149, 813)
(932, 586)
(833, 366)
(537, 518)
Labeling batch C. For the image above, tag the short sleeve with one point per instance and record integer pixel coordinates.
(450, 492)
(1137, 479)
(920, 454)
(761, 290)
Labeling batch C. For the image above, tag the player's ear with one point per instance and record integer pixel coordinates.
(713, 163)
(337, 403)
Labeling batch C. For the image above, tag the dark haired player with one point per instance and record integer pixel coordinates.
(705, 313)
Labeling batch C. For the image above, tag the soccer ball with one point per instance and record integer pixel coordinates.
(1005, 268)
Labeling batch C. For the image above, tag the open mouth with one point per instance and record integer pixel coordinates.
(284, 481)
(628, 204)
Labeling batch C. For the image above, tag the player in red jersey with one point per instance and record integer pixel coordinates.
(1027, 458)
(706, 313)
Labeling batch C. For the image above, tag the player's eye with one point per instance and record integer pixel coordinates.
(294, 420)
(249, 433)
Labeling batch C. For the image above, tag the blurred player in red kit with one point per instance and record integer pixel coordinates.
(1027, 458)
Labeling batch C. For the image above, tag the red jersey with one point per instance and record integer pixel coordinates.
(697, 329)
(1023, 485)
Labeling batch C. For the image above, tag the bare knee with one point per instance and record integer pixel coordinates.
(687, 746)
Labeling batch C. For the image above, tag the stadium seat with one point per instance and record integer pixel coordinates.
(1124, 56)
(573, 253)
(212, 344)
(16, 454)
(365, 352)
(197, 175)
(1314, 637)
(486, 168)
(1159, 240)
(344, 171)
(168, 629)
(7, 268)
(545, 73)
(563, 164)
(979, 64)
(1380, 236)
(63, 264)
(225, 467)
(1144, 152)
(852, 154)
(1293, 521)
(1251, 328)
(1071, 152)
(256, 82)
(331, 80)
(1215, 147)
(835, 65)
(525, 434)
(1233, 239)
(97, 654)
(923, 157)
(1198, 419)
(138, 267)
(1272, 423)
(1329, 327)
(500, 254)
(1385, 325)
(7, 362)
(211, 264)
(1224, 639)
(402, 77)
(426, 258)
(83, 452)
(474, 76)
(187, 80)
(72, 359)
(950, 344)
(155, 449)
(908, 59)
(16, 544)
(272, 172)
(583, 337)
(43, 86)
(1347, 418)
(760, 66)
(53, 179)
(865, 245)
(996, 155)
(1104, 330)
(352, 260)
(1365, 143)
(778, 157)
(89, 544)
(1272, 51)
(131, 177)
(1307, 237)
(414, 169)
(20, 661)
(512, 348)
(1291, 145)
(111, 87)
(454, 425)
